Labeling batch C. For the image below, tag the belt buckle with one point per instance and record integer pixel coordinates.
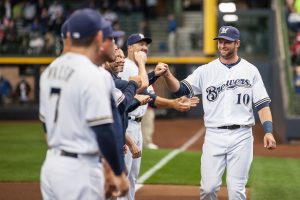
(138, 119)
(68, 154)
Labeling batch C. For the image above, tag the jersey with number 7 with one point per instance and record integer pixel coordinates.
(228, 92)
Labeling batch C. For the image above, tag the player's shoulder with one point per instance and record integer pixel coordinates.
(247, 64)
(57, 61)
(209, 65)
(213, 63)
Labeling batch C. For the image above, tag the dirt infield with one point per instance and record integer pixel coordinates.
(168, 134)
(176, 192)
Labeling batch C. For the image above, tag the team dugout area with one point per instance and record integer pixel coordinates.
(30, 40)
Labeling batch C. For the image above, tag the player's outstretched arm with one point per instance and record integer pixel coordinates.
(171, 82)
(159, 70)
(179, 104)
(143, 99)
(141, 59)
(265, 117)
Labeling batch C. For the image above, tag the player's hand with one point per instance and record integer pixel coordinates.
(182, 104)
(194, 101)
(110, 184)
(136, 79)
(135, 150)
(123, 185)
(143, 99)
(167, 72)
(140, 57)
(114, 185)
(269, 141)
(125, 148)
(160, 69)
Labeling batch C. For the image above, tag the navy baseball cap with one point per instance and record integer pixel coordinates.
(64, 30)
(137, 37)
(86, 22)
(228, 33)
(108, 32)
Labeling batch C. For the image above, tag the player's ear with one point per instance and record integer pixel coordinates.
(238, 43)
(99, 38)
(67, 42)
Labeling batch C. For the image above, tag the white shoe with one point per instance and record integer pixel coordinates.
(152, 146)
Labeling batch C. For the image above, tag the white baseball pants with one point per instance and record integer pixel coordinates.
(133, 165)
(230, 149)
(64, 178)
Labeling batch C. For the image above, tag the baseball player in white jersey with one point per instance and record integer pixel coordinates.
(134, 125)
(137, 43)
(228, 85)
(76, 110)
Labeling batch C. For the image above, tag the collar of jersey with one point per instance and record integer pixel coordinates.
(232, 64)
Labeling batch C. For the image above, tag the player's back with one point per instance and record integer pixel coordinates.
(69, 102)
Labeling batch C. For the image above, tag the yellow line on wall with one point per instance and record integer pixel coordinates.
(151, 60)
(26, 60)
(180, 60)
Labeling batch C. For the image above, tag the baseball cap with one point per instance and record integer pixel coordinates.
(137, 37)
(108, 32)
(85, 22)
(228, 33)
(64, 30)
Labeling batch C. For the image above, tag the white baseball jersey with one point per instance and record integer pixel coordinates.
(131, 69)
(228, 93)
(134, 131)
(74, 95)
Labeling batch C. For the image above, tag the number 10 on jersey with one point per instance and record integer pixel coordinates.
(245, 99)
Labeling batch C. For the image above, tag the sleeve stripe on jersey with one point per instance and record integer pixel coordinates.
(189, 87)
(120, 99)
(41, 117)
(100, 121)
(264, 100)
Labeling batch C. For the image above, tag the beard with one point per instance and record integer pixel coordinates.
(227, 54)
(109, 57)
(114, 67)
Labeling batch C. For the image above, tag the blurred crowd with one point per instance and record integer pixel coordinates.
(32, 27)
(9, 94)
(293, 22)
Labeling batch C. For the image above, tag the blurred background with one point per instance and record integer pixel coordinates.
(182, 33)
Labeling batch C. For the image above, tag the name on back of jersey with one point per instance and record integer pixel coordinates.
(60, 72)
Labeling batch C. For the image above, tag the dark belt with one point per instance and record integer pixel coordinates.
(234, 126)
(72, 155)
(137, 119)
(68, 154)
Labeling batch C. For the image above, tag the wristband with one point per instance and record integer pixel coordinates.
(268, 126)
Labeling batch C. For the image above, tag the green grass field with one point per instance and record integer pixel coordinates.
(22, 151)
